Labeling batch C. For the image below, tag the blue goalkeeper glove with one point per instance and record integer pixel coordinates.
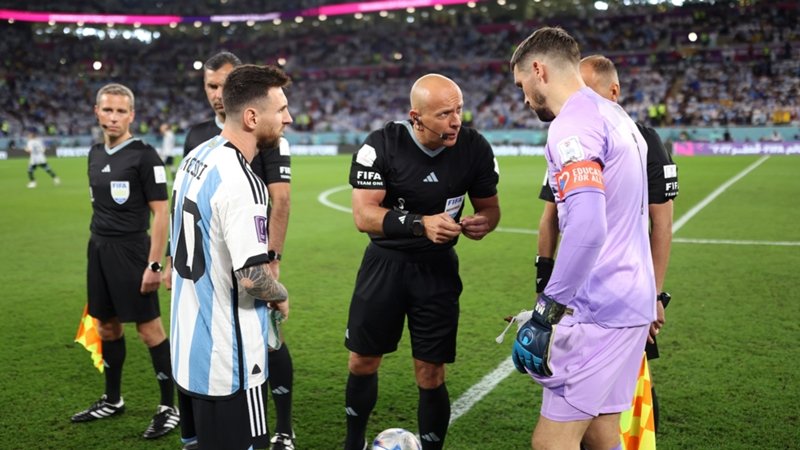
(534, 338)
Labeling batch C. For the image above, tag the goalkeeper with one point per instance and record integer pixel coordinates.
(594, 316)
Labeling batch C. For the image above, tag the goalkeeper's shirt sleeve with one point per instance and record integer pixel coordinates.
(583, 235)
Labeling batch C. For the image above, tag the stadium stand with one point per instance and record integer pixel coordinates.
(741, 69)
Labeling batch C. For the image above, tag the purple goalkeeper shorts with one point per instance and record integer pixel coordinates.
(594, 371)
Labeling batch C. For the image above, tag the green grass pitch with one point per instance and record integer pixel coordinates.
(728, 377)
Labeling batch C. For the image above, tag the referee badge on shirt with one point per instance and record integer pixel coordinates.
(120, 191)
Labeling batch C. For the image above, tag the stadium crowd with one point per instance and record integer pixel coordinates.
(742, 69)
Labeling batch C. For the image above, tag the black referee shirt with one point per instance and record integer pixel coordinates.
(662, 173)
(418, 180)
(122, 181)
(272, 166)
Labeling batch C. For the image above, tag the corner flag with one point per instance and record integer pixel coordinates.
(88, 337)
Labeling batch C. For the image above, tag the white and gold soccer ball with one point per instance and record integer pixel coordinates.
(396, 439)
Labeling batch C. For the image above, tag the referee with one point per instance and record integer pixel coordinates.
(410, 181)
(273, 166)
(222, 280)
(599, 73)
(127, 182)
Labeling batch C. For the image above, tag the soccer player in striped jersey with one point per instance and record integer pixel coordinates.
(222, 282)
(35, 147)
(273, 166)
(127, 182)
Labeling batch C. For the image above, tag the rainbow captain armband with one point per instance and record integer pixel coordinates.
(577, 175)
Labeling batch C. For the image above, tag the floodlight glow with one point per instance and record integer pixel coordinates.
(197, 65)
(281, 61)
(298, 19)
(97, 65)
(692, 36)
(600, 6)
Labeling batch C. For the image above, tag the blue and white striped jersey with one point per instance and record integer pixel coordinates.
(219, 225)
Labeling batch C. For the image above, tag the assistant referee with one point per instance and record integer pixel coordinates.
(410, 181)
(127, 182)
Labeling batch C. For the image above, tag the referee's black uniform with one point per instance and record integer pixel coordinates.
(122, 182)
(662, 186)
(272, 166)
(413, 276)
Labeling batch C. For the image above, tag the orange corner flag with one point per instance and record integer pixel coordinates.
(637, 426)
(88, 337)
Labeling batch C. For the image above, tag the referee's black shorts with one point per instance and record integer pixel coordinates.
(114, 279)
(235, 423)
(393, 284)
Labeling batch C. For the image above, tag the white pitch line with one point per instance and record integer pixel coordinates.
(474, 394)
(323, 198)
(696, 209)
(732, 242)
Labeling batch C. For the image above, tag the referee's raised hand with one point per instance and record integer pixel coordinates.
(151, 281)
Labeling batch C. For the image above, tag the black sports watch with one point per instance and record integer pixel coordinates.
(417, 227)
(155, 266)
(273, 256)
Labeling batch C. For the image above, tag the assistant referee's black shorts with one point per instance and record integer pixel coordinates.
(392, 285)
(114, 279)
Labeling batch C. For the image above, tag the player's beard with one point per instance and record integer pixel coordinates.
(540, 108)
(268, 141)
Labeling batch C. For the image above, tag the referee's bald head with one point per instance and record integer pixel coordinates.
(248, 86)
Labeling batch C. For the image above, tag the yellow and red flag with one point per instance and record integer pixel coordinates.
(90, 339)
(637, 425)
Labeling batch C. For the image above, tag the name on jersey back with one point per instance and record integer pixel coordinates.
(194, 167)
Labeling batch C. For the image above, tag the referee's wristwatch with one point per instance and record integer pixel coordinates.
(272, 255)
(417, 227)
(155, 266)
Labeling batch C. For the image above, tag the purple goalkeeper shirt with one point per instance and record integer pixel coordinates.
(597, 167)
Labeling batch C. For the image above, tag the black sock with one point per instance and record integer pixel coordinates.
(360, 398)
(113, 359)
(281, 376)
(30, 175)
(163, 367)
(433, 415)
(655, 407)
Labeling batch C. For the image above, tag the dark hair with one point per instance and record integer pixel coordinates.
(601, 65)
(552, 42)
(220, 59)
(250, 83)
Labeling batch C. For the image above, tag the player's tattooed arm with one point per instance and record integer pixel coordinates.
(258, 281)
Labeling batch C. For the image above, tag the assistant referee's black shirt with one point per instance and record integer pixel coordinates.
(272, 166)
(662, 173)
(418, 180)
(122, 181)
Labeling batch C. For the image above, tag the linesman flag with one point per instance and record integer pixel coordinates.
(636, 425)
(88, 337)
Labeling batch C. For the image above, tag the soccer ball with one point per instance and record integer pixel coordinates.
(396, 439)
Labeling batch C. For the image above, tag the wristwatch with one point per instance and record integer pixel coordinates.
(155, 266)
(273, 256)
(417, 227)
